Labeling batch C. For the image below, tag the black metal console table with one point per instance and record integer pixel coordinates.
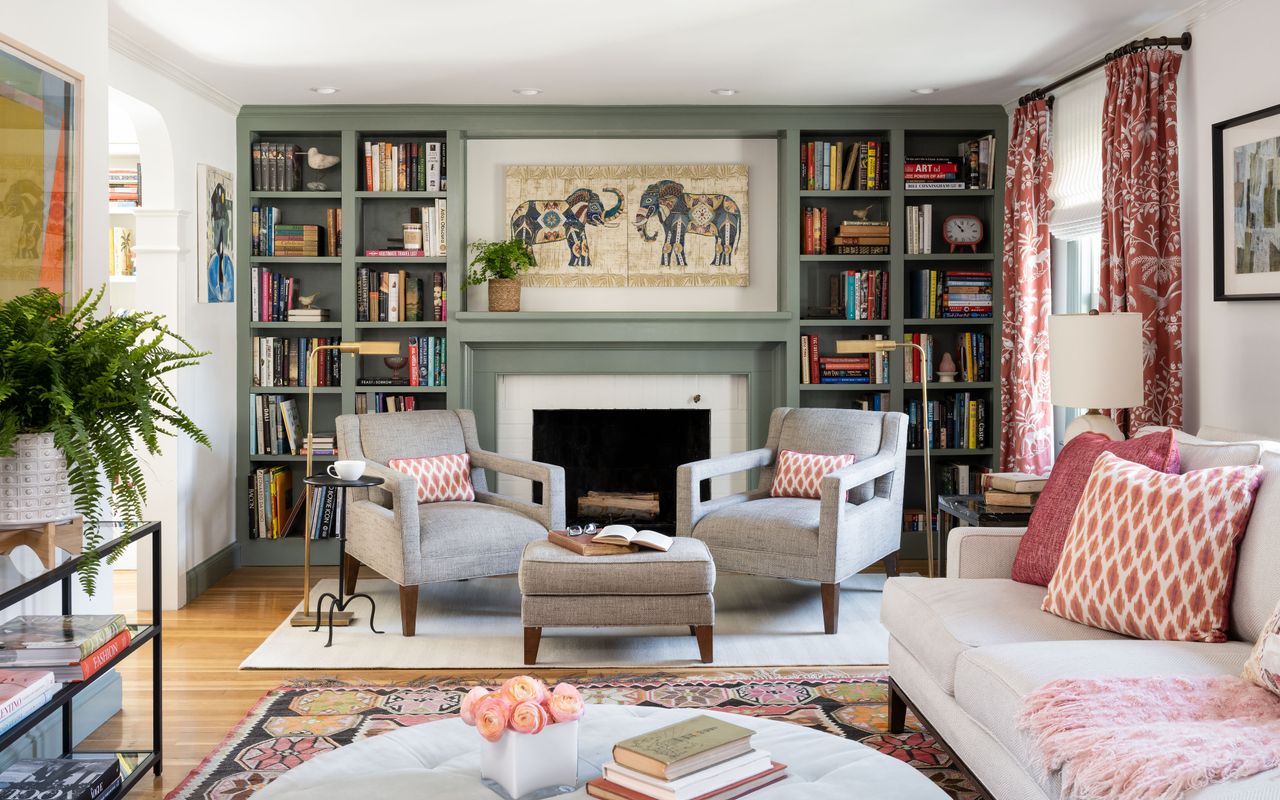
(133, 763)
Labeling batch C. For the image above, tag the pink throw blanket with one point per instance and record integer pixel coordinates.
(1152, 738)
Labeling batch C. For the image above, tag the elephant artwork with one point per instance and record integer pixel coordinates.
(680, 213)
(542, 221)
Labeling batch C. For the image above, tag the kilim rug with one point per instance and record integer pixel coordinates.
(292, 724)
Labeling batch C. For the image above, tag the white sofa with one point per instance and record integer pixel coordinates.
(966, 649)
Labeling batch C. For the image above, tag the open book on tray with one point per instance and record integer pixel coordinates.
(624, 535)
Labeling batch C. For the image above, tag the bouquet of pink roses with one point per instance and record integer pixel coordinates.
(523, 703)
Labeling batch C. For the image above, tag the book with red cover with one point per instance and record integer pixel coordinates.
(395, 253)
(99, 658)
(606, 789)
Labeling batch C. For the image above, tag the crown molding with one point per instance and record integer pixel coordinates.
(124, 44)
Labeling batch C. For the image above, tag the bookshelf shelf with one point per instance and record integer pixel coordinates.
(287, 459)
(294, 390)
(839, 193)
(969, 321)
(953, 451)
(303, 326)
(830, 258)
(296, 259)
(844, 387)
(403, 389)
(408, 326)
(949, 257)
(935, 386)
(917, 193)
(845, 323)
(400, 260)
(364, 195)
(265, 195)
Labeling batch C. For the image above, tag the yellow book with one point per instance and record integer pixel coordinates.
(973, 424)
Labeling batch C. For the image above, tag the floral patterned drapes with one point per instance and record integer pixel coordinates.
(1141, 227)
(1027, 434)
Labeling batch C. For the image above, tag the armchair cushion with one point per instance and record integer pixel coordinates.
(801, 474)
(769, 525)
(468, 540)
(439, 478)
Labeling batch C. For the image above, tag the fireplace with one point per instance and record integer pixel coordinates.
(620, 464)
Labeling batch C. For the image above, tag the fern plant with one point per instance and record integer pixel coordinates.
(503, 260)
(97, 384)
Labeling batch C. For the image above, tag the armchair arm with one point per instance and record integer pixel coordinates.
(689, 507)
(834, 490)
(982, 552)
(401, 518)
(550, 514)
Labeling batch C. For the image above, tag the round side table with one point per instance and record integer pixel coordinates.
(339, 602)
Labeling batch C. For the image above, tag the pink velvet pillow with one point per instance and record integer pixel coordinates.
(801, 474)
(1041, 547)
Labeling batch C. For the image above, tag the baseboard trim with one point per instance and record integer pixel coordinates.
(213, 569)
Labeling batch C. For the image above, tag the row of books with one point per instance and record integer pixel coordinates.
(124, 188)
(949, 294)
(959, 478)
(701, 758)
(817, 368)
(277, 167)
(826, 166)
(72, 777)
(955, 422)
(864, 294)
(274, 298)
(69, 648)
(270, 236)
(398, 296)
(933, 172)
(285, 361)
(431, 221)
(972, 357)
(274, 427)
(403, 166)
(920, 229)
(914, 520)
(426, 357)
(384, 402)
(869, 402)
(272, 512)
(853, 236)
(979, 157)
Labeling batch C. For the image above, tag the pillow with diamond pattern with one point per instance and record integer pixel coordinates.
(801, 474)
(1263, 666)
(440, 478)
(1153, 555)
(1041, 547)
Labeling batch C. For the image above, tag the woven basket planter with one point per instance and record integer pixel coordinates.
(504, 294)
(33, 484)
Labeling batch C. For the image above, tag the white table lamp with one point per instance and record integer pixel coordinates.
(1095, 362)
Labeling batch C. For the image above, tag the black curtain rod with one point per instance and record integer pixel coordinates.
(1184, 41)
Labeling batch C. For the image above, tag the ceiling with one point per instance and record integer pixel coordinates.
(634, 53)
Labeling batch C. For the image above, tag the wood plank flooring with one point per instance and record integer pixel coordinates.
(205, 694)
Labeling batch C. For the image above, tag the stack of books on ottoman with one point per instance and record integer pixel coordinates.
(71, 647)
(75, 778)
(701, 758)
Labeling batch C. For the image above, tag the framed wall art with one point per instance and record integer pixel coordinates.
(214, 190)
(1246, 207)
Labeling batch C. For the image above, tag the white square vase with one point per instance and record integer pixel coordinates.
(529, 766)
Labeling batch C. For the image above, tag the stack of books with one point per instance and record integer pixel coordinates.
(297, 240)
(1013, 489)
(311, 314)
(857, 237)
(72, 647)
(701, 758)
(270, 236)
(817, 368)
(949, 294)
(933, 172)
(326, 444)
(70, 778)
(22, 691)
(124, 188)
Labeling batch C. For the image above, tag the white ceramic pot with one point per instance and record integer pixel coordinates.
(33, 484)
(528, 766)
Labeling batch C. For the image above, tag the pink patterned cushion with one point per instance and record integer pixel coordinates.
(440, 478)
(1041, 547)
(1263, 666)
(1153, 555)
(800, 474)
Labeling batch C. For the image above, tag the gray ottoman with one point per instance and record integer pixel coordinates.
(563, 589)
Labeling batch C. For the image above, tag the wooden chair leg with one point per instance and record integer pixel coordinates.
(409, 610)
(693, 630)
(831, 607)
(705, 642)
(891, 565)
(532, 638)
(350, 572)
(897, 710)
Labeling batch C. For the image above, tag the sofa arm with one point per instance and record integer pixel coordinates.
(982, 552)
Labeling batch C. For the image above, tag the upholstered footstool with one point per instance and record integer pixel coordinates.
(559, 588)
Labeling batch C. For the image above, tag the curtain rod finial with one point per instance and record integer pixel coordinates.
(1186, 40)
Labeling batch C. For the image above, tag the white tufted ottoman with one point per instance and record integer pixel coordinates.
(441, 761)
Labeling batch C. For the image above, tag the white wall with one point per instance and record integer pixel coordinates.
(1232, 350)
(487, 217)
(192, 486)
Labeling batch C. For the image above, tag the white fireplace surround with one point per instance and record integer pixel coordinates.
(518, 396)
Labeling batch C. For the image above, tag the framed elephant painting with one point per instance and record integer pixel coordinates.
(632, 225)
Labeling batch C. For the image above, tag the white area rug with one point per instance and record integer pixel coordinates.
(476, 625)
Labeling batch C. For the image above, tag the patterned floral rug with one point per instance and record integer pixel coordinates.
(293, 724)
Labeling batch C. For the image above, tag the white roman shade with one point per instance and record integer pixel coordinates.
(1076, 188)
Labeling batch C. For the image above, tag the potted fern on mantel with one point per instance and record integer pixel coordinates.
(500, 263)
(80, 396)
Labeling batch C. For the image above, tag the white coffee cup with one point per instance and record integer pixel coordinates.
(346, 470)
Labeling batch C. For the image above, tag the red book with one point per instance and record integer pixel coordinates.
(413, 361)
(813, 358)
(395, 253)
(606, 789)
(100, 657)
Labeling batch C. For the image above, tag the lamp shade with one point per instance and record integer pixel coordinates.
(373, 348)
(854, 346)
(1095, 360)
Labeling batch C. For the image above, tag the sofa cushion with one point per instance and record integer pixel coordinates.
(991, 682)
(548, 569)
(1263, 666)
(1257, 582)
(770, 525)
(1195, 452)
(1153, 555)
(1041, 547)
(938, 619)
(487, 539)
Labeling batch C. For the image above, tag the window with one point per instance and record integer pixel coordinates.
(1076, 265)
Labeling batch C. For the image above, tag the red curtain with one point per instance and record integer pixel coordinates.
(1141, 228)
(1027, 434)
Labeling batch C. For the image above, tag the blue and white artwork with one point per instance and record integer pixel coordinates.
(215, 189)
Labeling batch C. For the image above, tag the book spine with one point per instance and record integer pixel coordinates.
(99, 658)
(813, 358)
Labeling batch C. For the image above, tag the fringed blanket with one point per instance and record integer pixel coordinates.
(1152, 738)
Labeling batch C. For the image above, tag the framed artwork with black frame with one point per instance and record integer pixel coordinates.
(1246, 207)
(40, 180)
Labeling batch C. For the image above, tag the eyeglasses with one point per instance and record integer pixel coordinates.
(590, 528)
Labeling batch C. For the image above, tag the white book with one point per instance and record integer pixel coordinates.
(393, 297)
(692, 786)
(625, 535)
(433, 166)
(368, 161)
(377, 168)
(441, 228)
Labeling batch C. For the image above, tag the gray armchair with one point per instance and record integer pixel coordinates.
(857, 521)
(412, 544)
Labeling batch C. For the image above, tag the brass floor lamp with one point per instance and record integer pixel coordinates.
(365, 348)
(876, 346)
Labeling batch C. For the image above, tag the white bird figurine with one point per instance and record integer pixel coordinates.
(307, 300)
(317, 160)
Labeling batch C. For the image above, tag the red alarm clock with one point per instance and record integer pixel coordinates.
(959, 230)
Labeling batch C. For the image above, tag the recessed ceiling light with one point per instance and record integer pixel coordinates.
(325, 89)
(725, 92)
(924, 91)
(527, 92)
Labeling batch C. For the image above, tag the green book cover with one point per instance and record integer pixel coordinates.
(684, 740)
(87, 632)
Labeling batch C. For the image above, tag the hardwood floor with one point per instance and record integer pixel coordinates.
(205, 694)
